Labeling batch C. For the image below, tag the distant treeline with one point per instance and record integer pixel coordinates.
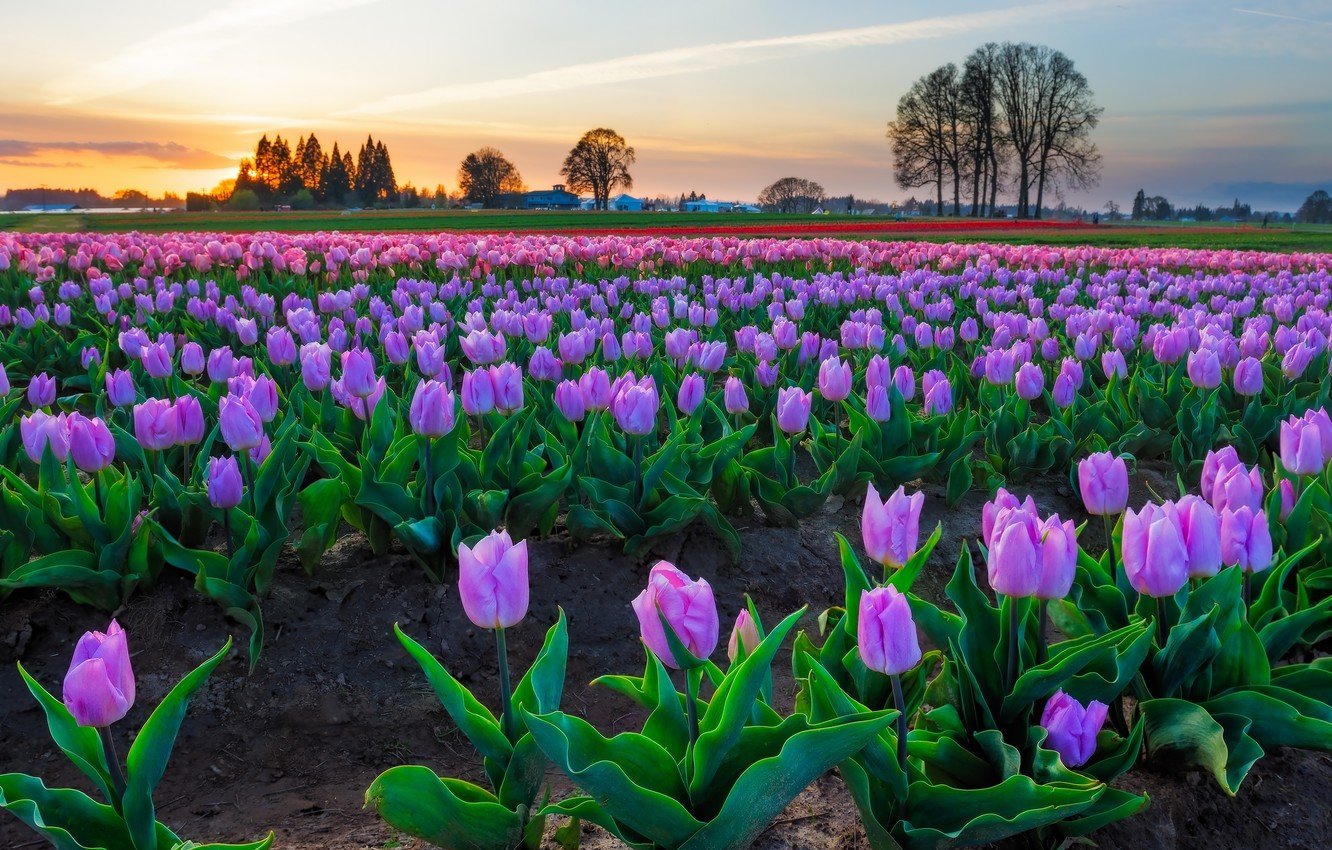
(17, 199)
(306, 174)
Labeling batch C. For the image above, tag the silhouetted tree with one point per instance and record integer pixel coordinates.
(486, 174)
(599, 164)
(1316, 209)
(792, 195)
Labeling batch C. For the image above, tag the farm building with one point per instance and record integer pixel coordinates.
(554, 198)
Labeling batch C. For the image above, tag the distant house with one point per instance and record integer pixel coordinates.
(554, 198)
(625, 203)
(708, 206)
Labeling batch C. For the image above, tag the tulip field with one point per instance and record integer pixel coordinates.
(649, 541)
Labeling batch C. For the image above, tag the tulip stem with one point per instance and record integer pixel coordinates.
(1109, 547)
(639, 495)
(113, 762)
(97, 494)
(226, 531)
(900, 703)
(1014, 637)
(1245, 589)
(1162, 631)
(428, 491)
(1042, 619)
(506, 690)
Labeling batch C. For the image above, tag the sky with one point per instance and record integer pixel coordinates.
(1203, 100)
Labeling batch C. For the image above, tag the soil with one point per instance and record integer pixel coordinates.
(334, 700)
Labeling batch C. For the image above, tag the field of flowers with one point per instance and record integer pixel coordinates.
(1138, 440)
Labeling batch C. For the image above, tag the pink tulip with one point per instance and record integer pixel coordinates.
(891, 528)
(886, 633)
(99, 686)
(687, 605)
(492, 581)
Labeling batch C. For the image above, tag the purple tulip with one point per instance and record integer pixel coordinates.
(938, 398)
(834, 379)
(492, 581)
(4, 380)
(1249, 377)
(1071, 729)
(507, 379)
(221, 365)
(1204, 369)
(691, 392)
(1287, 495)
(1155, 554)
(733, 396)
(886, 633)
(99, 686)
(1013, 556)
(905, 382)
(155, 424)
(192, 360)
(890, 528)
(433, 409)
(225, 487)
(878, 404)
(1103, 480)
(1246, 540)
(1029, 381)
(90, 443)
(281, 347)
(358, 372)
(1301, 444)
(1059, 558)
(635, 406)
(41, 390)
(478, 392)
(156, 361)
(190, 425)
(793, 407)
(241, 426)
(686, 605)
(569, 401)
(1237, 486)
(316, 366)
(596, 388)
(40, 431)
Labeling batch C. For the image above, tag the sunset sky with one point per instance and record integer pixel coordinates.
(1204, 100)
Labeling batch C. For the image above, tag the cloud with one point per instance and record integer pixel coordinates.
(712, 57)
(162, 55)
(19, 152)
(1282, 17)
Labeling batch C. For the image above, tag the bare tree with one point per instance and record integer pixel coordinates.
(1066, 156)
(487, 174)
(599, 164)
(792, 195)
(1022, 86)
(927, 135)
(982, 152)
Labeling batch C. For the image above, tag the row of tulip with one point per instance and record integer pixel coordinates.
(1174, 646)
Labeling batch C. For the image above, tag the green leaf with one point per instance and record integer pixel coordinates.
(540, 689)
(152, 747)
(448, 813)
(474, 719)
(69, 819)
(633, 779)
(1184, 734)
(81, 744)
(769, 785)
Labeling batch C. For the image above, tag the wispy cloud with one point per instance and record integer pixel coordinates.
(161, 55)
(19, 152)
(712, 57)
(1282, 17)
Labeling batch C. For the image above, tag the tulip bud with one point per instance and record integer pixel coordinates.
(190, 425)
(1014, 553)
(891, 528)
(569, 401)
(744, 635)
(1103, 480)
(41, 390)
(40, 431)
(507, 380)
(1301, 447)
(99, 686)
(358, 372)
(156, 359)
(1287, 491)
(834, 379)
(225, 486)
(1071, 729)
(192, 359)
(886, 632)
(686, 605)
(878, 405)
(595, 386)
(635, 407)
(1249, 377)
(492, 581)
(1029, 382)
(1059, 558)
